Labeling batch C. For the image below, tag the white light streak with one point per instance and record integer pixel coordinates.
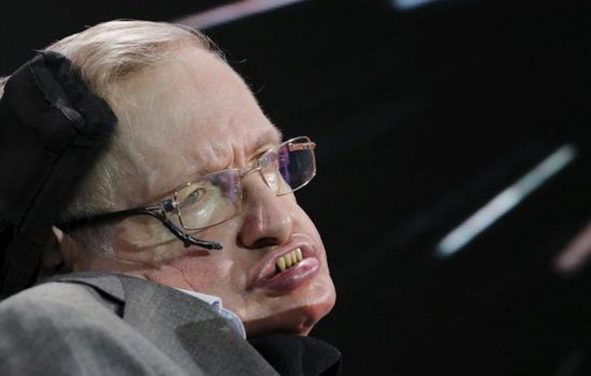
(232, 12)
(505, 201)
(409, 4)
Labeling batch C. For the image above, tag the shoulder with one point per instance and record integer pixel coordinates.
(53, 304)
(69, 329)
(49, 316)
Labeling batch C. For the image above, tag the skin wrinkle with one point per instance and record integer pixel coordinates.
(264, 143)
(216, 150)
(215, 105)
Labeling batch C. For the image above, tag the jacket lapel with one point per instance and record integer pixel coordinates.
(183, 327)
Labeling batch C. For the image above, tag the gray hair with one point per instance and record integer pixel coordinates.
(106, 54)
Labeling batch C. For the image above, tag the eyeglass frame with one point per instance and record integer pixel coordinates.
(171, 204)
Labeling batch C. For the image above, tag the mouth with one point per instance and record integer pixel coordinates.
(287, 271)
(288, 260)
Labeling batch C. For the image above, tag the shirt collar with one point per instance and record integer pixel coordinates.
(215, 303)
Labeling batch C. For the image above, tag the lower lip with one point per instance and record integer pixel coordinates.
(290, 279)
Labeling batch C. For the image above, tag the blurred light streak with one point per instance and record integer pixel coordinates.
(232, 12)
(409, 4)
(505, 201)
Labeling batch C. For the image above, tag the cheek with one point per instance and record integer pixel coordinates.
(144, 232)
(204, 274)
(225, 233)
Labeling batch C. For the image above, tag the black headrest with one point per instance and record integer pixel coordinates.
(52, 129)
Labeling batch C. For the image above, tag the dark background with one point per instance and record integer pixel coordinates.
(421, 116)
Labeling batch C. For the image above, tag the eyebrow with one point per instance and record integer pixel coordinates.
(267, 139)
(273, 136)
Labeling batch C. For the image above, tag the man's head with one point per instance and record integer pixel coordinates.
(184, 113)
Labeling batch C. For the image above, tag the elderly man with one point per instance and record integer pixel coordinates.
(183, 251)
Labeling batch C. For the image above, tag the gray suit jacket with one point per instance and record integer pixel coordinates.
(109, 324)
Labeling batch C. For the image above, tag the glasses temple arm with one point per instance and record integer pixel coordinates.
(155, 212)
(187, 239)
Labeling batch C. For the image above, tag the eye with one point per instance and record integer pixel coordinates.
(193, 197)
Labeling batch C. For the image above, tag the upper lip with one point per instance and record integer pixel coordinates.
(265, 268)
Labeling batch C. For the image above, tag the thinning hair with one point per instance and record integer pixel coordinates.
(107, 54)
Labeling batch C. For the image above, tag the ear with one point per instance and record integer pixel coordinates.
(60, 254)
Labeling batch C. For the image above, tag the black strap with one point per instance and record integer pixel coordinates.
(52, 129)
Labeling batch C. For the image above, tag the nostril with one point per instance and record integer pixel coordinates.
(264, 242)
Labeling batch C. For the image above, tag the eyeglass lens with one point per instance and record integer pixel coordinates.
(217, 197)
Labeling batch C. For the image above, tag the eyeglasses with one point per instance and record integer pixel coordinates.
(217, 197)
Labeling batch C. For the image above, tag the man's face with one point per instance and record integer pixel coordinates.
(194, 115)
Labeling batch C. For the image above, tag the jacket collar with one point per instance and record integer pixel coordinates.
(185, 328)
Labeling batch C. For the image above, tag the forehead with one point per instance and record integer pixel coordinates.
(192, 114)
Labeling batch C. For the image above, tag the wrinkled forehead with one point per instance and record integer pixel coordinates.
(190, 83)
(189, 115)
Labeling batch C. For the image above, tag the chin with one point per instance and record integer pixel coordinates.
(294, 318)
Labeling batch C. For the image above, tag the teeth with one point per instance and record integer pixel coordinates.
(281, 264)
(289, 260)
(299, 255)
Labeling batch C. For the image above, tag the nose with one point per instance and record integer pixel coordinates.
(267, 219)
